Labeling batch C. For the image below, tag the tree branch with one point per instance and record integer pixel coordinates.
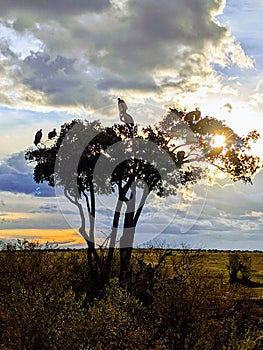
(82, 229)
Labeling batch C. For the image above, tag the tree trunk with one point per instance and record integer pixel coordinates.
(112, 242)
(92, 264)
(95, 263)
(125, 267)
(127, 239)
(126, 246)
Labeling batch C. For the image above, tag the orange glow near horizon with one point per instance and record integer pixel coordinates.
(13, 216)
(63, 237)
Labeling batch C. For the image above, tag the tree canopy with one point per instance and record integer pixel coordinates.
(87, 159)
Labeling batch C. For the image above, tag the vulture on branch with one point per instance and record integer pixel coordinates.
(124, 117)
(38, 137)
(52, 134)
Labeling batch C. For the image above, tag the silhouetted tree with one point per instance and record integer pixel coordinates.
(87, 159)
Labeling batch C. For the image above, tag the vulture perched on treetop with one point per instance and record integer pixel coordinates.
(38, 137)
(193, 117)
(124, 117)
(52, 134)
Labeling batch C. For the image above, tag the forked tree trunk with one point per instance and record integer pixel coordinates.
(126, 246)
(127, 240)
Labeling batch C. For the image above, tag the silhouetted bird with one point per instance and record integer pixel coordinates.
(52, 134)
(38, 137)
(193, 117)
(124, 117)
(180, 157)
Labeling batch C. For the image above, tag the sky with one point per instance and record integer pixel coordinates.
(61, 60)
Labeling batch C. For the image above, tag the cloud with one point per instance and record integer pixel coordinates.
(256, 98)
(231, 217)
(17, 176)
(48, 208)
(16, 163)
(60, 79)
(52, 8)
(86, 53)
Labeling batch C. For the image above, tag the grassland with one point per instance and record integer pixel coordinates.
(176, 300)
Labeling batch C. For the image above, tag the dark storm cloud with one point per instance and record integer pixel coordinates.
(17, 176)
(122, 84)
(45, 67)
(60, 80)
(182, 20)
(17, 183)
(53, 8)
(153, 34)
(54, 77)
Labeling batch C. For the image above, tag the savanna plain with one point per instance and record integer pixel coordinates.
(175, 299)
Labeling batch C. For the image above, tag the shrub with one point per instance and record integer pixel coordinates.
(115, 321)
(239, 263)
(38, 307)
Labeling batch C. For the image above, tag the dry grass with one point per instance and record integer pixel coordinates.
(213, 261)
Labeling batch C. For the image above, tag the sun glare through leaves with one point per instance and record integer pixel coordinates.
(218, 140)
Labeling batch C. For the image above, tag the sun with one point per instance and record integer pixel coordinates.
(218, 140)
